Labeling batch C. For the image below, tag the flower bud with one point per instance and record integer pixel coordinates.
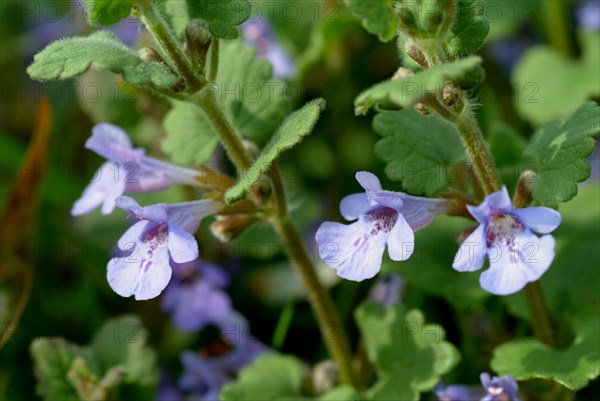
(197, 35)
(325, 376)
(523, 195)
(149, 54)
(423, 109)
(228, 228)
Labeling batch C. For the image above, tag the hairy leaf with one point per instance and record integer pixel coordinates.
(469, 28)
(270, 377)
(407, 91)
(410, 356)
(223, 16)
(68, 58)
(558, 150)
(290, 133)
(573, 367)
(419, 151)
(376, 16)
(191, 138)
(108, 12)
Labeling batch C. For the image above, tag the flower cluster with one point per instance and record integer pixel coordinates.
(386, 218)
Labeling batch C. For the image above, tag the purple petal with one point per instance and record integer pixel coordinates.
(539, 219)
(351, 249)
(141, 268)
(368, 181)
(187, 215)
(498, 201)
(401, 240)
(512, 268)
(355, 205)
(393, 200)
(199, 374)
(182, 245)
(112, 143)
(417, 217)
(103, 190)
(472, 251)
(172, 172)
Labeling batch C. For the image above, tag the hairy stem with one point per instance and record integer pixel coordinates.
(157, 27)
(332, 331)
(214, 60)
(230, 140)
(472, 138)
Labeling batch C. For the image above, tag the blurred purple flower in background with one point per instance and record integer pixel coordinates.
(128, 169)
(517, 256)
(499, 388)
(388, 290)
(260, 35)
(453, 392)
(161, 233)
(195, 296)
(383, 218)
(588, 14)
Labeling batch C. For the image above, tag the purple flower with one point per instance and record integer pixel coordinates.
(453, 392)
(588, 14)
(382, 217)
(161, 233)
(517, 256)
(194, 296)
(128, 169)
(206, 371)
(259, 34)
(388, 290)
(166, 389)
(499, 388)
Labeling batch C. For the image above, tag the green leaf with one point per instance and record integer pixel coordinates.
(572, 367)
(108, 12)
(407, 91)
(469, 28)
(418, 150)
(67, 58)
(223, 16)
(558, 150)
(290, 133)
(253, 102)
(122, 342)
(376, 16)
(342, 393)
(544, 93)
(52, 360)
(191, 138)
(410, 356)
(270, 377)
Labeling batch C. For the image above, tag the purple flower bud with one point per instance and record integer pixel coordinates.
(388, 290)
(382, 218)
(517, 256)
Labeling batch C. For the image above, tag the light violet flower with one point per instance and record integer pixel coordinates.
(195, 295)
(128, 169)
(259, 34)
(162, 233)
(504, 235)
(499, 388)
(453, 392)
(382, 218)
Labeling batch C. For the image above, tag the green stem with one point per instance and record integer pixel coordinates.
(214, 60)
(542, 326)
(332, 331)
(157, 27)
(557, 25)
(231, 141)
(472, 138)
